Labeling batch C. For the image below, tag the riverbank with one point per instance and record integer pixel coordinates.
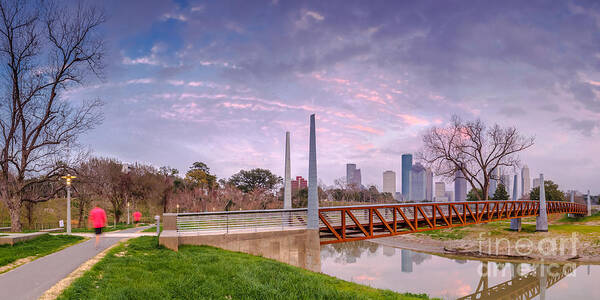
(142, 270)
(567, 240)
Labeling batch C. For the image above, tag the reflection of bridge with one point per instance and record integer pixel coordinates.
(350, 223)
(527, 286)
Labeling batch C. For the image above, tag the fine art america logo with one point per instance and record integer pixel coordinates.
(544, 249)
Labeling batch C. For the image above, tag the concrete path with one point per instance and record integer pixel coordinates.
(31, 280)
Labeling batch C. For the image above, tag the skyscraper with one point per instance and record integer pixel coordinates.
(357, 178)
(440, 192)
(494, 177)
(505, 180)
(389, 182)
(429, 185)
(418, 183)
(460, 187)
(450, 196)
(406, 166)
(353, 176)
(525, 181)
(536, 183)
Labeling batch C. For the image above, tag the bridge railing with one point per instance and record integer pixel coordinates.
(241, 221)
(347, 223)
(360, 221)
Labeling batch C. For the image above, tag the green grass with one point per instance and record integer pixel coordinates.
(38, 247)
(567, 219)
(446, 234)
(143, 270)
(108, 228)
(564, 228)
(152, 229)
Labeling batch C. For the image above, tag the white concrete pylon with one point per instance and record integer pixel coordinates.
(541, 223)
(515, 224)
(287, 188)
(589, 204)
(313, 197)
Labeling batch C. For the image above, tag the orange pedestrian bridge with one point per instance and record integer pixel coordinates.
(360, 222)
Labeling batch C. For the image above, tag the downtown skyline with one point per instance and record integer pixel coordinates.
(179, 87)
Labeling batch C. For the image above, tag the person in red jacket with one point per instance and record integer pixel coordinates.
(97, 220)
(137, 216)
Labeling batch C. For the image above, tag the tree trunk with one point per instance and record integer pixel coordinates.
(115, 210)
(14, 207)
(29, 207)
(81, 209)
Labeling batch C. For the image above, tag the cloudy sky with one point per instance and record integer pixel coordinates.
(221, 82)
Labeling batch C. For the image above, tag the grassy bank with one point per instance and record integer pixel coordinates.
(38, 247)
(152, 229)
(141, 270)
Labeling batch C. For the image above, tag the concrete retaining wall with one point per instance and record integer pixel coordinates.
(13, 239)
(299, 248)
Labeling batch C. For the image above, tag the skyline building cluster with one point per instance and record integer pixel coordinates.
(417, 183)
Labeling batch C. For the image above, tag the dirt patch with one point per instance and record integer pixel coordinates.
(58, 288)
(16, 263)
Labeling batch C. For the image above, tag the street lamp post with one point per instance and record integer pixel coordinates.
(127, 211)
(68, 179)
(177, 208)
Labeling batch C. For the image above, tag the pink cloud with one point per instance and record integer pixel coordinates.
(412, 120)
(373, 98)
(236, 105)
(366, 129)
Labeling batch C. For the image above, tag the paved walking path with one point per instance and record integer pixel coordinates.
(31, 280)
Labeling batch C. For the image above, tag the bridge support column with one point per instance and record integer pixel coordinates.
(515, 224)
(589, 204)
(542, 219)
(313, 197)
(287, 188)
(572, 201)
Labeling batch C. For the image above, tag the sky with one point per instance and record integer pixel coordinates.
(221, 82)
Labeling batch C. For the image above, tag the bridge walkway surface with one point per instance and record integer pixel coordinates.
(32, 279)
(350, 223)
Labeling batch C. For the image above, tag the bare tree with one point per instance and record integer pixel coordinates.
(45, 50)
(474, 149)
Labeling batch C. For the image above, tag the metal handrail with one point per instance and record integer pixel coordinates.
(235, 212)
(242, 221)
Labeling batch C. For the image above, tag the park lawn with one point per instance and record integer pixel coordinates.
(152, 229)
(38, 247)
(593, 218)
(139, 269)
(455, 233)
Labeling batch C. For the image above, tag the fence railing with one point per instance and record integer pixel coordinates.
(384, 215)
(241, 221)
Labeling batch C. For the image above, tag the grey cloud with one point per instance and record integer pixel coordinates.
(584, 93)
(512, 111)
(585, 127)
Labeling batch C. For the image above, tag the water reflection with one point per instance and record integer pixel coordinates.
(408, 271)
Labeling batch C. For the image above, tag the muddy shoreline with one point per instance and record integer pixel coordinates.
(470, 249)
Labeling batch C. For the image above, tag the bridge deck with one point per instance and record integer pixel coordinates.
(350, 223)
